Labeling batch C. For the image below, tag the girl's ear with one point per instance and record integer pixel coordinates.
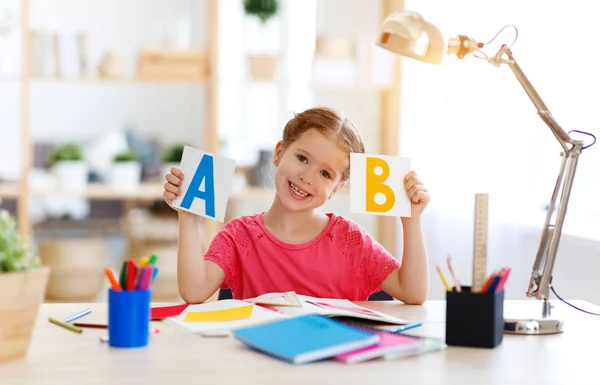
(279, 149)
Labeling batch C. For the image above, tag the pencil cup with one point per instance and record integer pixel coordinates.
(474, 319)
(128, 318)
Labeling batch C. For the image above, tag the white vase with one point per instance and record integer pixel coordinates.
(70, 175)
(126, 176)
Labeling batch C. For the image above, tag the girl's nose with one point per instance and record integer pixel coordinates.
(306, 178)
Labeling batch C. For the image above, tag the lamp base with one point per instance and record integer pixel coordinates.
(533, 326)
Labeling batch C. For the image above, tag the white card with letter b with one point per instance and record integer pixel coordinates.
(377, 185)
(206, 184)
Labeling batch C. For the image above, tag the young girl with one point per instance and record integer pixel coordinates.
(293, 246)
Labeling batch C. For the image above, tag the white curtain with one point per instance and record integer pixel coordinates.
(469, 127)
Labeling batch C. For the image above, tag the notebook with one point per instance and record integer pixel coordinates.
(429, 344)
(305, 338)
(219, 317)
(390, 344)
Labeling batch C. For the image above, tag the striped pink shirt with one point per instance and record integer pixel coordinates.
(344, 261)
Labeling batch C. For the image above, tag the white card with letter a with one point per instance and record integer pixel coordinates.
(377, 185)
(206, 184)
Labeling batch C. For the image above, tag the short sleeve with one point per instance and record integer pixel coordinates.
(373, 261)
(223, 252)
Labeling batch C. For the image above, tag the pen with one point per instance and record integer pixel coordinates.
(405, 327)
(443, 278)
(78, 315)
(72, 328)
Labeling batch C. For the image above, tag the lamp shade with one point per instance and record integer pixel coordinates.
(409, 34)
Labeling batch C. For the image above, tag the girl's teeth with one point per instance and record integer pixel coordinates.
(297, 191)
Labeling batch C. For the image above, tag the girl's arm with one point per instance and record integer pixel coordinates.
(197, 278)
(410, 282)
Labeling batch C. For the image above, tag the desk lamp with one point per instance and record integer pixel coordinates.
(410, 35)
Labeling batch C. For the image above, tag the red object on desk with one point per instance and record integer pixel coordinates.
(160, 312)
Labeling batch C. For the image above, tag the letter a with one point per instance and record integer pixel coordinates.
(375, 185)
(204, 172)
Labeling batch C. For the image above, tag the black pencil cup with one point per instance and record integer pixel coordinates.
(474, 319)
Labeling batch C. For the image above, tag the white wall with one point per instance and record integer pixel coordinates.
(470, 127)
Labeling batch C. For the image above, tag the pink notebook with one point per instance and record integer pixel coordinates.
(390, 343)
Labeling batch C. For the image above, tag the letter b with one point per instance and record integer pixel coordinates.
(375, 184)
(204, 172)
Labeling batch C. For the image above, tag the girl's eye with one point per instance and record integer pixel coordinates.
(302, 158)
(326, 174)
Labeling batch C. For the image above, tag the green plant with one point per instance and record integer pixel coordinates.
(15, 251)
(263, 9)
(66, 152)
(126, 156)
(173, 154)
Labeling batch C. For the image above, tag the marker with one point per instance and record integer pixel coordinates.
(143, 261)
(65, 325)
(112, 279)
(154, 273)
(123, 275)
(152, 260)
(503, 279)
(78, 315)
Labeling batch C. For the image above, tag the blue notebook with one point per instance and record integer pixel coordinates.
(305, 338)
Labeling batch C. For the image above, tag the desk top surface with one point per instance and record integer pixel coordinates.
(59, 356)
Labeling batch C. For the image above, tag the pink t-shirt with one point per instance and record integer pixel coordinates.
(344, 261)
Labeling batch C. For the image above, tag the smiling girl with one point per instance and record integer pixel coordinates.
(295, 247)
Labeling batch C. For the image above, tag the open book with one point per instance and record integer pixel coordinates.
(220, 317)
(341, 308)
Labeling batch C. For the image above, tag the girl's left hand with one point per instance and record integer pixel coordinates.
(417, 193)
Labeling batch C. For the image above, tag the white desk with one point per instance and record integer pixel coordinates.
(60, 357)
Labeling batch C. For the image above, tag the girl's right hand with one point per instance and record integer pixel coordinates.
(174, 179)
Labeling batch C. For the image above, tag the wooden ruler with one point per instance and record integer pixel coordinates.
(480, 242)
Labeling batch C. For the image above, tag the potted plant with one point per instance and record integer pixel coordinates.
(69, 169)
(22, 288)
(126, 171)
(262, 64)
(171, 157)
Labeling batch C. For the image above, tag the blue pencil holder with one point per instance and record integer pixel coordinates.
(128, 318)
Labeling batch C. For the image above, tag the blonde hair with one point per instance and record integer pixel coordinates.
(328, 122)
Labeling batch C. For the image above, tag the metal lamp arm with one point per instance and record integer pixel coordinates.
(561, 135)
(541, 276)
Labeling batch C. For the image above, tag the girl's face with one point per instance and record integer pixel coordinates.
(309, 171)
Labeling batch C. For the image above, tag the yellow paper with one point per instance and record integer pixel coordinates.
(237, 313)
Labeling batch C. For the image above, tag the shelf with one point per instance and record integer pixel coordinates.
(148, 191)
(9, 190)
(314, 86)
(119, 81)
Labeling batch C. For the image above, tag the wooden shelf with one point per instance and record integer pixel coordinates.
(9, 190)
(147, 192)
(117, 81)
